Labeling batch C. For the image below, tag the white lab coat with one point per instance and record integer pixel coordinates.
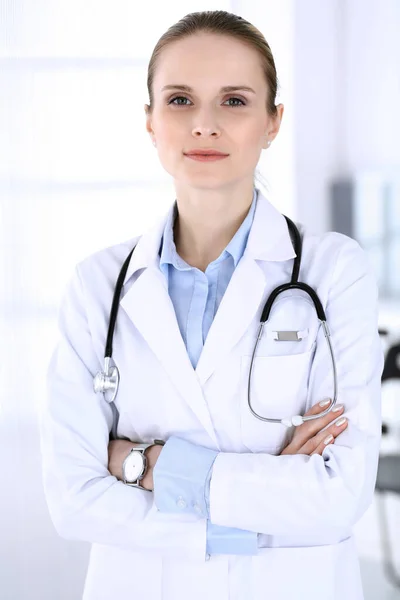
(304, 508)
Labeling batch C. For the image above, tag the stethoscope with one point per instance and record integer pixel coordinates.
(108, 379)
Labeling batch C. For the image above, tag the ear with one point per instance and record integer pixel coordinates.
(148, 121)
(275, 123)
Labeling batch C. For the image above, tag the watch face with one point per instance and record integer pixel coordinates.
(134, 466)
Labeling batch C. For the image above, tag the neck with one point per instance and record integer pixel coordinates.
(206, 223)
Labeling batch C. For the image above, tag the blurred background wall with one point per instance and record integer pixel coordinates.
(78, 173)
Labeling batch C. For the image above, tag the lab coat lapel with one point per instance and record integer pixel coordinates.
(148, 305)
(236, 311)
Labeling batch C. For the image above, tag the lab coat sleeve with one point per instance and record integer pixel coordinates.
(85, 501)
(181, 479)
(301, 495)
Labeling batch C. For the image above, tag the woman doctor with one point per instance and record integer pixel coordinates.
(231, 507)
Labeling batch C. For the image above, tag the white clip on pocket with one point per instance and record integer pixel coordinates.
(287, 336)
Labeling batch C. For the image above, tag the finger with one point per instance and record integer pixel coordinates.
(310, 428)
(329, 439)
(321, 407)
(336, 428)
(317, 443)
(334, 431)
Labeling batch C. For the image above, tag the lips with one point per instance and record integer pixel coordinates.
(205, 152)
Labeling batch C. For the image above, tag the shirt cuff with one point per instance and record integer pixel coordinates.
(229, 540)
(181, 477)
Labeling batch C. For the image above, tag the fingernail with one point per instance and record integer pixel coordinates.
(325, 402)
(337, 408)
(341, 421)
(328, 439)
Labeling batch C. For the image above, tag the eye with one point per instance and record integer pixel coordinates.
(172, 101)
(177, 98)
(234, 98)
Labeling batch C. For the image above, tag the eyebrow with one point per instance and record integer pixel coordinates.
(227, 88)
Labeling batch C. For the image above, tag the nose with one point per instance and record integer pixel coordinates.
(206, 126)
(205, 132)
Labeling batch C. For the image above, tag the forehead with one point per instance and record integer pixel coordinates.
(209, 58)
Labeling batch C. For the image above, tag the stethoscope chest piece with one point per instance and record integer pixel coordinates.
(107, 380)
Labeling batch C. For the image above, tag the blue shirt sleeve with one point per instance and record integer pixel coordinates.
(181, 479)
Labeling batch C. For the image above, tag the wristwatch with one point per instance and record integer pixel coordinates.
(134, 466)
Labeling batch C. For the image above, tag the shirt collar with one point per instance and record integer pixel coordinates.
(169, 255)
(268, 240)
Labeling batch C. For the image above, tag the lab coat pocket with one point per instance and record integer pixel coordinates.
(278, 389)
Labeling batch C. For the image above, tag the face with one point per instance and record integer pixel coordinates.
(234, 122)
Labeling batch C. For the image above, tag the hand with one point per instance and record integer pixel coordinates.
(308, 437)
(118, 450)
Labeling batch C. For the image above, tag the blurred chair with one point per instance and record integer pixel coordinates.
(388, 476)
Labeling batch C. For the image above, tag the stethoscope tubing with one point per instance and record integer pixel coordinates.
(109, 378)
(295, 420)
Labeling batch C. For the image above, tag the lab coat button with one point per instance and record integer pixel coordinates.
(181, 502)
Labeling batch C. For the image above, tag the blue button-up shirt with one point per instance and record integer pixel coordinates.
(183, 470)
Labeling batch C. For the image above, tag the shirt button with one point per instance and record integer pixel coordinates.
(198, 509)
(181, 502)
